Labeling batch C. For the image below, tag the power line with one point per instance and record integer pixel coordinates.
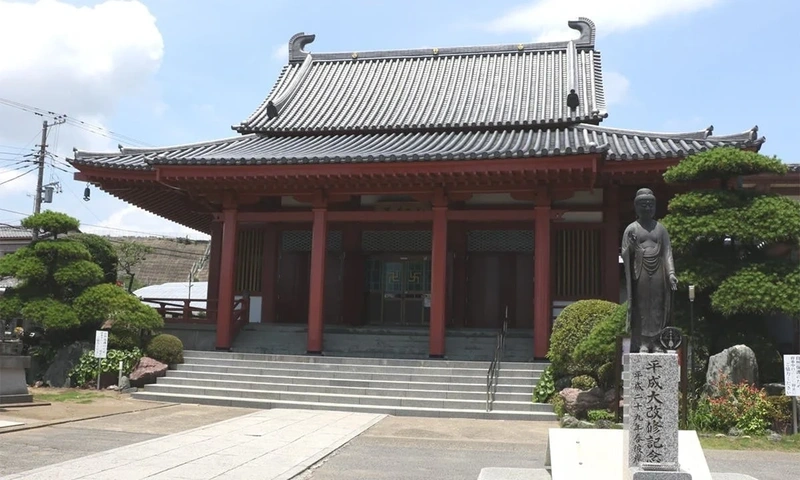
(95, 129)
(18, 176)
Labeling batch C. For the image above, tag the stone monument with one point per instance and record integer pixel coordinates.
(13, 387)
(651, 373)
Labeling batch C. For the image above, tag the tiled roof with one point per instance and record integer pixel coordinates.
(9, 232)
(435, 88)
(169, 260)
(793, 167)
(256, 149)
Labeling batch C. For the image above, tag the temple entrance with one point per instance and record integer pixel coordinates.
(399, 290)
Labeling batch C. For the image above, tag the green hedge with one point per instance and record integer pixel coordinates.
(166, 349)
(573, 325)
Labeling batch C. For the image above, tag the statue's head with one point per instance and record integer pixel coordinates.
(645, 204)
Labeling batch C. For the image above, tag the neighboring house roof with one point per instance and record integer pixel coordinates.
(258, 149)
(517, 85)
(10, 232)
(175, 291)
(170, 260)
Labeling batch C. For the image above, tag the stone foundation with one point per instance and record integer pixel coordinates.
(13, 387)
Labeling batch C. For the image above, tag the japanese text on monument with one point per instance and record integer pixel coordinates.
(647, 421)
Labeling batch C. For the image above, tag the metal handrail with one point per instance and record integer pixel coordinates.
(494, 368)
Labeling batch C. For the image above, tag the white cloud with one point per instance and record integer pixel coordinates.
(616, 87)
(132, 221)
(15, 181)
(79, 61)
(546, 20)
(281, 53)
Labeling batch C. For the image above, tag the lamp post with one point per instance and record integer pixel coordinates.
(691, 328)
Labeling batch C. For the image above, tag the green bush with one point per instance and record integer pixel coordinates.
(559, 405)
(123, 339)
(574, 324)
(605, 375)
(86, 369)
(740, 405)
(599, 347)
(596, 415)
(584, 382)
(546, 387)
(166, 348)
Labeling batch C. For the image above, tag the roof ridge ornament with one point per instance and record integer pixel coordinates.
(587, 29)
(297, 44)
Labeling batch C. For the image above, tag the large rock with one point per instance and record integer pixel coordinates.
(57, 374)
(578, 402)
(146, 371)
(736, 364)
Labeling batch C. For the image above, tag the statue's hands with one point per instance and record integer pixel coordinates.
(632, 237)
(673, 281)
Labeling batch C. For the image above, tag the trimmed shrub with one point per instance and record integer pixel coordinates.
(597, 415)
(605, 375)
(584, 382)
(599, 347)
(546, 387)
(573, 325)
(166, 348)
(742, 406)
(559, 405)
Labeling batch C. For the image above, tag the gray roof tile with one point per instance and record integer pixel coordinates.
(9, 232)
(257, 149)
(430, 89)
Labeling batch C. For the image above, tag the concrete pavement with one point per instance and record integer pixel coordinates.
(268, 444)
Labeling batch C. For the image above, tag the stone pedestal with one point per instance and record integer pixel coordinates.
(13, 387)
(650, 416)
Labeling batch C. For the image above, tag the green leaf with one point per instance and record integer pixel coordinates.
(721, 164)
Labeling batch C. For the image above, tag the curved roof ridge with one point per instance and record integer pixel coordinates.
(695, 135)
(146, 150)
(586, 40)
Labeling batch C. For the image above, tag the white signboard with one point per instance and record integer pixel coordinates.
(101, 344)
(791, 375)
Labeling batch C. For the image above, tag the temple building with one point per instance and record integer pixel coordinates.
(441, 189)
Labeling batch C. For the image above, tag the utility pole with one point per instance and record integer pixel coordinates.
(37, 202)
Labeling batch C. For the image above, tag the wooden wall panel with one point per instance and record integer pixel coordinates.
(294, 270)
(578, 264)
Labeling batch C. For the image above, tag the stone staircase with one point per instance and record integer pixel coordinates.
(428, 388)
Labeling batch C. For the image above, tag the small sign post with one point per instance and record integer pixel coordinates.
(100, 351)
(791, 378)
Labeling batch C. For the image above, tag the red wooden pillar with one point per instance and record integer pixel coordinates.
(542, 302)
(269, 274)
(438, 282)
(226, 279)
(611, 241)
(352, 276)
(212, 296)
(316, 293)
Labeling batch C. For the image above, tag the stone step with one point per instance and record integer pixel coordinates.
(305, 372)
(348, 399)
(495, 414)
(326, 359)
(269, 385)
(476, 386)
(506, 370)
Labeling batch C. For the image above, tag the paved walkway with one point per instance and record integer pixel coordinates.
(266, 445)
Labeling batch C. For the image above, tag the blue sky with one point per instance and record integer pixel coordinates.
(166, 72)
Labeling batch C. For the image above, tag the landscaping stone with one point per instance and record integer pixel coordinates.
(737, 364)
(774, 389)
(605, 424)
(146, 371)
(57, 374)
(562, 383)
(734, 432)
(577, 403)
(775, 437)
(568, 421)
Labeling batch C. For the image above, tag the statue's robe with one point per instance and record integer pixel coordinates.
(648, 264)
